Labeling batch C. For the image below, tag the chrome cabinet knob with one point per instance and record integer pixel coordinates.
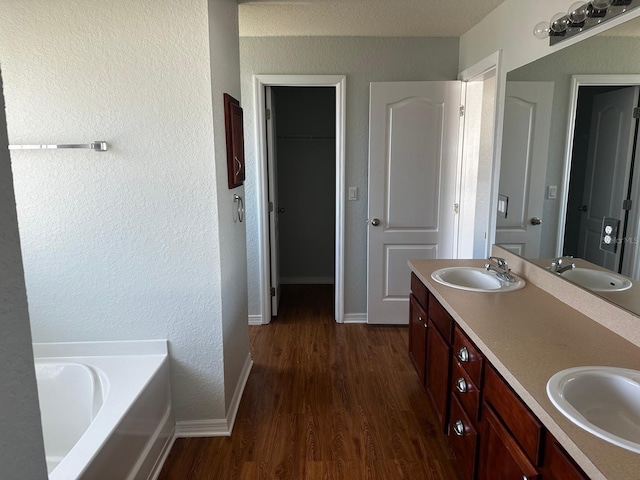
(375, 222)
(463, 354)
(461, 385)
(458, 428)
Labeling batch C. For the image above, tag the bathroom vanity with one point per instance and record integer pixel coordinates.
(485, 359)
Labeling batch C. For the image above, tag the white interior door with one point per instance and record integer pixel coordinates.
(413, 156)
(273, 200)
(525, 146)
(608, 166)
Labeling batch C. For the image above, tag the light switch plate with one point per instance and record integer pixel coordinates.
(503, 206)
(353, 193)
(553, 192)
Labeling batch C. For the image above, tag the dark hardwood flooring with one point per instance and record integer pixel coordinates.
(323, 401)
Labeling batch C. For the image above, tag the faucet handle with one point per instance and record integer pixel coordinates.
(502, 263)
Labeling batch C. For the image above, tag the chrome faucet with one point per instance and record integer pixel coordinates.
(559, 265)
(501, 268)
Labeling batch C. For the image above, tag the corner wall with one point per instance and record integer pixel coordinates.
(21, 444)
(132, 243)
(363, 60)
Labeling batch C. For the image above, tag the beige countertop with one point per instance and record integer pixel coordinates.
(528, 335)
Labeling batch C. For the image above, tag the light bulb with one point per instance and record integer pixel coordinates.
(541, 30)
(601, 4)
(578, 12)
(559, 22)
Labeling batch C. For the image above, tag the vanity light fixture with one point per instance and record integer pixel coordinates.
(581, 16)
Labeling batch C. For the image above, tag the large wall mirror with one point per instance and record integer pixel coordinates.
(570, 168)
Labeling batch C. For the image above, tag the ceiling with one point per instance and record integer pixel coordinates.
(362, 18)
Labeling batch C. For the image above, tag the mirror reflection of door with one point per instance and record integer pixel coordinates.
(602, 177)
(525, 143)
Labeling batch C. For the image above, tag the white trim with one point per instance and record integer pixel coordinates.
(202, 428)
(306, 280)
(232, 411)
(217, 427)
(492, 62)
(166, 449)
(578, 81)
(255, 319)
(355, 318)
(339, 83)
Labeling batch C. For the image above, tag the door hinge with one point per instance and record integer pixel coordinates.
(456, 208)
(271, 206)
(273, 291)
(268, 113)
(462, 110)
(627, 204)
(636, 112)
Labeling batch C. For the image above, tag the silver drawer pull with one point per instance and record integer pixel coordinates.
(461, 385)
(463, 354)
(458, 428)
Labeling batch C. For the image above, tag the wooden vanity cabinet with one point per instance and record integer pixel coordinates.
(491, 431)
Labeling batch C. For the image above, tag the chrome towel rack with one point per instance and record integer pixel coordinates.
(96, 146)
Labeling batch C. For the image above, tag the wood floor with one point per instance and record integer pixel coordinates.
(323, 401)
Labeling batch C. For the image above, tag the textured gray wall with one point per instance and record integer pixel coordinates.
(597, 55)
(132, 243)
(362, 60)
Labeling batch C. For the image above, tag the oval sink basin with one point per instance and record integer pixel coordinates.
(597, 280)
(605, 401)
(474, 279)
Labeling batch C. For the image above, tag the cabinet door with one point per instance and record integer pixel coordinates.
(438, 373)
(418, 338)
(558, 465)
(501, 456)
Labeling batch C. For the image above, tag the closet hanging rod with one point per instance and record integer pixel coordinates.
(97, 146)
(304, 137)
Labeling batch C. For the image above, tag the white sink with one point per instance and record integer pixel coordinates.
(603, 400)
(474, 279)
(597, 280)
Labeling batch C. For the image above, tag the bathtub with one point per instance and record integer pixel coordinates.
(105, 407)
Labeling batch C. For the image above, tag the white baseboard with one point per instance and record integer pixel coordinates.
(255, 319)
(355, 318)
(217, 427)
(237, 395)
(306, 281)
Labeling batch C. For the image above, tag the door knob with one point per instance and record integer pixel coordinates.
(281, 210)
(582, 208)
(375, 222)
(536, 221)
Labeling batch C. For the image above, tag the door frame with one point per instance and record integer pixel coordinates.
(493, 62)
(578, 81)
(259, 83)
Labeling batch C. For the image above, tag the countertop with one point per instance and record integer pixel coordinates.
(528, 335)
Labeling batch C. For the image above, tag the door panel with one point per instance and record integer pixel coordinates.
(608, 168)
(525, 145)
(413, 154)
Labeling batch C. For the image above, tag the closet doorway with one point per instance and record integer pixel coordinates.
(301, 172)
(301, 150)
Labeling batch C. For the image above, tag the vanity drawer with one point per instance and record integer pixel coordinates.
(419, 291)
(516, 416)
(463, 439)
(441, 319)
(468, 355)
(465, 390)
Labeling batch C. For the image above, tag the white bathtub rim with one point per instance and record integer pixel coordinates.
(107, 420)
(100, 348)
